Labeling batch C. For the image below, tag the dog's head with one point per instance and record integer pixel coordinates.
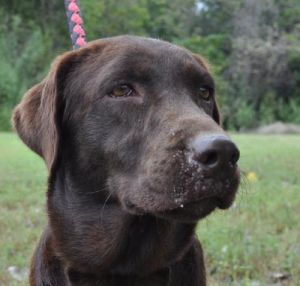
(134, 122)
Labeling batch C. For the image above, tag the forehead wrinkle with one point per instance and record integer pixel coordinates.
(127, 68)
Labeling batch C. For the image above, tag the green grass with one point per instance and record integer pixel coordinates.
(261, 234)
(22, 200)
(257, 237)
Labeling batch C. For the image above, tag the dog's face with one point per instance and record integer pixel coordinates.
(134, 121)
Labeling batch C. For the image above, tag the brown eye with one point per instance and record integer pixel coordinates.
(204, 93)
(121, 91)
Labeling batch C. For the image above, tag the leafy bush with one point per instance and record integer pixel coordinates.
(23, 61)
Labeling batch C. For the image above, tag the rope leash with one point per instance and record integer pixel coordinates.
(75, 23)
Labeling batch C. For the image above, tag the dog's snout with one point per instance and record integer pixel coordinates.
(214, 152)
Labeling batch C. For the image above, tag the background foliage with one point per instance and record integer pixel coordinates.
(253, 46)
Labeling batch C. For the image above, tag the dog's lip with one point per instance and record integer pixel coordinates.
(192, 211)
(220, 202)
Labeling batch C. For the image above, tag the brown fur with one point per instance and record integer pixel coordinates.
(123, 199)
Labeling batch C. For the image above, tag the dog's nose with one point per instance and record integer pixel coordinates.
(214, 153)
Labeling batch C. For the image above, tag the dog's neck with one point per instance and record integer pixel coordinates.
(98, 237)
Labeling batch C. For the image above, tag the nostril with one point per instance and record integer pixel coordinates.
(234, 157)
(207, 158)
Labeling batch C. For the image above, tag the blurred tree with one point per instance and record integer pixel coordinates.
(109, 18)
(259, 65)
(214, 16)
(253, 46)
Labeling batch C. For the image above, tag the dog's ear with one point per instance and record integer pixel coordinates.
(203, 62)
(36, 118)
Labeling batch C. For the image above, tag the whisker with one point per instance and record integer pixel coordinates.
(103, 207)
(97, 191)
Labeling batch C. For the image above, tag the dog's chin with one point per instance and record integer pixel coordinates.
(193, 211)
(189, 212)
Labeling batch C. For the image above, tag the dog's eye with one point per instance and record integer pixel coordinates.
(121, 91)
(205, 93)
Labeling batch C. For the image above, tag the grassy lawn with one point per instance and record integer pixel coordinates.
(255, 241)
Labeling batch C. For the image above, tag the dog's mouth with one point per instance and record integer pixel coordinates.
(192, 202)
(193, 210)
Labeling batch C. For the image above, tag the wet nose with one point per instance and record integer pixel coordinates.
(214, 153)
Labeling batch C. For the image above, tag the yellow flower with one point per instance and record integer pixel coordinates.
(252, 177)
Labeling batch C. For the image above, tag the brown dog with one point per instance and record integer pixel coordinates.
(129, 130)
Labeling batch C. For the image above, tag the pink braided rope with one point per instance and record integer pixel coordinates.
(75, 22)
